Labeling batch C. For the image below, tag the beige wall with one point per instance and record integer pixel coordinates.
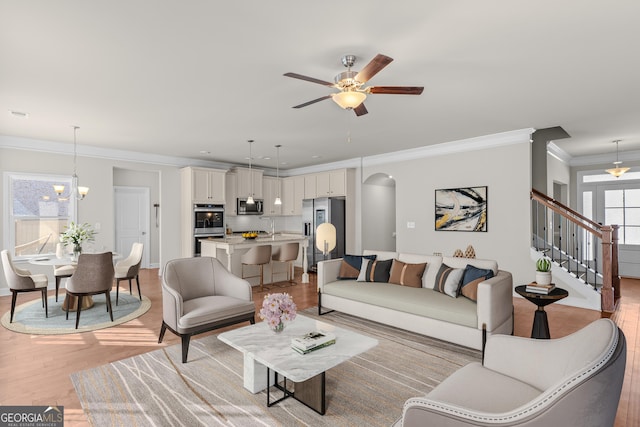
(505, 170)
(97, 174)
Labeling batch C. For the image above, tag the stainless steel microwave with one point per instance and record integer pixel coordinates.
(254, 208)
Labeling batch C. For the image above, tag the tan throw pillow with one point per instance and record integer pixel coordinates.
(351, 264)
(407, 274)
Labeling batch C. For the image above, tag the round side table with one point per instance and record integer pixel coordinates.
(540, 328)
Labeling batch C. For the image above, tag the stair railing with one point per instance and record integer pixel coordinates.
(578, 244)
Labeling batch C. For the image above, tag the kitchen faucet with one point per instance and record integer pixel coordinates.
(273, 224)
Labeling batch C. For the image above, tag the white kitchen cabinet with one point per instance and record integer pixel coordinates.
(271, 188)
(292, 195)
(231, 187)
(331, 184)
(249, 182)
(205, 185)
(310, 186)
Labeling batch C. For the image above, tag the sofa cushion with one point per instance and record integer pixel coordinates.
(378, 270)
(471, 278)
(406, 274)
(462, 263)
(418, 301)
(433, 265)
(350, 267)
(448, 280)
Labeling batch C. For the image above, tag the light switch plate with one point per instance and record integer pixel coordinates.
(411, 224)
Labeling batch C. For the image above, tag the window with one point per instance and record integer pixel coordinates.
(37, 215)
(622, 207)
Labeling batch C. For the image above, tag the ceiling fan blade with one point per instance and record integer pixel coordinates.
(396, 90)
(373, 67)
(360, 110)
(308, 79)
(312, 102)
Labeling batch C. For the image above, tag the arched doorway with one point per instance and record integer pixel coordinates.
(379, 212)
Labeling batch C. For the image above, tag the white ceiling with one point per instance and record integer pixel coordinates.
(174, 78)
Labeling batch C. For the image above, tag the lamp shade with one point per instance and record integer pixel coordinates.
(326, 237)
(349, 99)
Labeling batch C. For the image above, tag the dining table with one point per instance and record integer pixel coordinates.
(70, 302)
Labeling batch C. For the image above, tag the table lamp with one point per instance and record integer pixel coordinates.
(326, 238)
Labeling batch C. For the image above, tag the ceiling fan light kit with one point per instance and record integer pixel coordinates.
(350, 84)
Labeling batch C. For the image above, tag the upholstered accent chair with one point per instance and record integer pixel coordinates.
(61, 271)
(198, 295)
(571, 381)
(286, 253)
(257, 255)
(128, 269)
(93, 276)
(20, 280)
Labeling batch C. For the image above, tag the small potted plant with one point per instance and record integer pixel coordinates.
(543, 271)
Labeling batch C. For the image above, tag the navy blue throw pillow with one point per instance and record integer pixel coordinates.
(351, 264)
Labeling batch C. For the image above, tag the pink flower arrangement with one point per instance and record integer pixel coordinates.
(278, 309)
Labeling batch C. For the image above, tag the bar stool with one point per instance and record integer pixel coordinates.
(286, 253)
(257, 255)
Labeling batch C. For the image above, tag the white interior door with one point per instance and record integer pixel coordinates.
(132, 220)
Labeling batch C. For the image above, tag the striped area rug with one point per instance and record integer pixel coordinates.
(156, 389)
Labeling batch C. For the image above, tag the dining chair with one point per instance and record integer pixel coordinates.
(20, 280)
(286, 253)
(93, 276)
(128, 269)
(257, 255)
(61, 271)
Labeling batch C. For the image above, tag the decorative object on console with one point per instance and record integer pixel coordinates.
(461, 209)
(405, 274)
(351, 265)
(617, 171)
(75, 235)
(543, 271)
(277, 309)
(458, 253)
(469, 252)
(77, 192)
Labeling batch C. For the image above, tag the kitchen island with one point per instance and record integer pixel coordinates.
(229, 249)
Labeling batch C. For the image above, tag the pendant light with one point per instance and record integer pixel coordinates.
(76, 191)
(278, 201)
(250, 200)
(617, 171)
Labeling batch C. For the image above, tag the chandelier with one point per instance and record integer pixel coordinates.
(617, 171)
(76, 191)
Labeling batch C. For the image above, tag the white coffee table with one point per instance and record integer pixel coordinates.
(268, 355)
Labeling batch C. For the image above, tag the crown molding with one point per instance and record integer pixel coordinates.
(599, 159)
(558, 153)
(453, 147)
(44, 146)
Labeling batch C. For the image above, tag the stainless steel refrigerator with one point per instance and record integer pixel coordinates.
(316, 212)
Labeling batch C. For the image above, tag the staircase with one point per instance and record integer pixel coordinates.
(583, 252)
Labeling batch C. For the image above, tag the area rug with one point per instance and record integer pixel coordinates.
(156, 389)
(29, 317)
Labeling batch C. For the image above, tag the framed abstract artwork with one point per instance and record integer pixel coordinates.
(461, 209)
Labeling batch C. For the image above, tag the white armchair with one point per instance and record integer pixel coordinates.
(198, 295)
(570, 381)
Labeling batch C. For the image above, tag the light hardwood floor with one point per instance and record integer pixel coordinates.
(35, 369)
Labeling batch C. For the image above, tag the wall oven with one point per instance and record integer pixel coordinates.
(208, 221)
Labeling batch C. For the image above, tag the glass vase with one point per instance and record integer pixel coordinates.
(77, 250)
(278, 328)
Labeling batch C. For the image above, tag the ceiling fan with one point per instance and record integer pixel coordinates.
(350, 84)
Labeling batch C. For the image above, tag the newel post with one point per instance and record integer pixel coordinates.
(606, 293)
(615, 274)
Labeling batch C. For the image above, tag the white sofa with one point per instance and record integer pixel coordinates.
(423, 310)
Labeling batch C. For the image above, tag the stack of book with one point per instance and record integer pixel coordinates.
(540, 289)
(312, 341)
